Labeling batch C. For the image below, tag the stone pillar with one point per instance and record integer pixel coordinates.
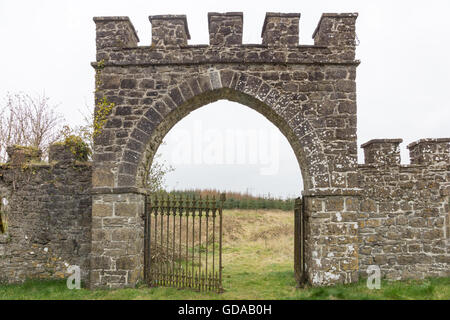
(382, 151)
(117, 239)
(225, 29)
(430, 151)
(281, 29)
(331, 251)
(169, 30)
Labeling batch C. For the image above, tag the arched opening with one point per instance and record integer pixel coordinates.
(258, 233)
(292, 134)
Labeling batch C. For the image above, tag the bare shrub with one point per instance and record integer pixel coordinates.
(28, 121)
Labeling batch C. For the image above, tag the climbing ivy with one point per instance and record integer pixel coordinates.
(103, 106)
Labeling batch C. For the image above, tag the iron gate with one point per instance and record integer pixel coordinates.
(183, 242)
(299, 243)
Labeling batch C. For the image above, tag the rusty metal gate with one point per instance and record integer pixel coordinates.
(299, 243)
(183, 242)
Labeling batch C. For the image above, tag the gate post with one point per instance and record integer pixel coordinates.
(117, 238)
(331, 238)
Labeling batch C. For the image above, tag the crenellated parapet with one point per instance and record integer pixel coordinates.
(334, 41)
(382, 151)
(430, 151)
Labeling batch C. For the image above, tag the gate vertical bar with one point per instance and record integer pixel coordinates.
(222, 200)
(303, 240)
(214, 239)
(207, 240)
(297, 241)
(200, 208)
(146, 241)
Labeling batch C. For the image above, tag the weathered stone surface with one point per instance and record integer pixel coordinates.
(18, 155)
(404, 230)
(281, 29)
(225, 29)
(49, 220)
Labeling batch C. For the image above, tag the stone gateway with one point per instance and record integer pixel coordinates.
(380, 212)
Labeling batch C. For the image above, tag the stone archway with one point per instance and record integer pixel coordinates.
(308, 92)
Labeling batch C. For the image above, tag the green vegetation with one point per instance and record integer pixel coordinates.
(258, 262)
(102, 106)
(237, 200)
(76, 144)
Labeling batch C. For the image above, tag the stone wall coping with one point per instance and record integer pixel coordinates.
(76, 163)
(280, 15)
(113, 18)
(404, 166)
(368, 143)
(322, 192)
(172, 17)
(427, 140)
(225, 14)
(148, 64)
(118, 18)
(333, 15)
(195, 46)
(119, 190)
(205, 54)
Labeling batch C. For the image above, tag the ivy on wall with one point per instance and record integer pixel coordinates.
(103, 106)
(3, 218)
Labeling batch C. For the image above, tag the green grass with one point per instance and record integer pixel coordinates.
(257, 265)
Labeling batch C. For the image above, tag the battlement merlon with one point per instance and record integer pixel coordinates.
(169, 30)
(337, 30)
(382, 151)
(115, 32)
(225, 29)
(430, 151)
(281, 29)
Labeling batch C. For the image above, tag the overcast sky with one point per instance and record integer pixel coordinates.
(402, 82)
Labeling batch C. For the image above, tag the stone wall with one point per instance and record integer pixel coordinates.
(404, 213)
(308, 92)
(49, 216)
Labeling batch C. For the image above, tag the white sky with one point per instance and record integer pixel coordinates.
(402, 82)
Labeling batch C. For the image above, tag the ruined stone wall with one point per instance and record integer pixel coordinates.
(49, 217)
(404, 214)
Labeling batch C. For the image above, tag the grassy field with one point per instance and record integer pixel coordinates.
(258, 264)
